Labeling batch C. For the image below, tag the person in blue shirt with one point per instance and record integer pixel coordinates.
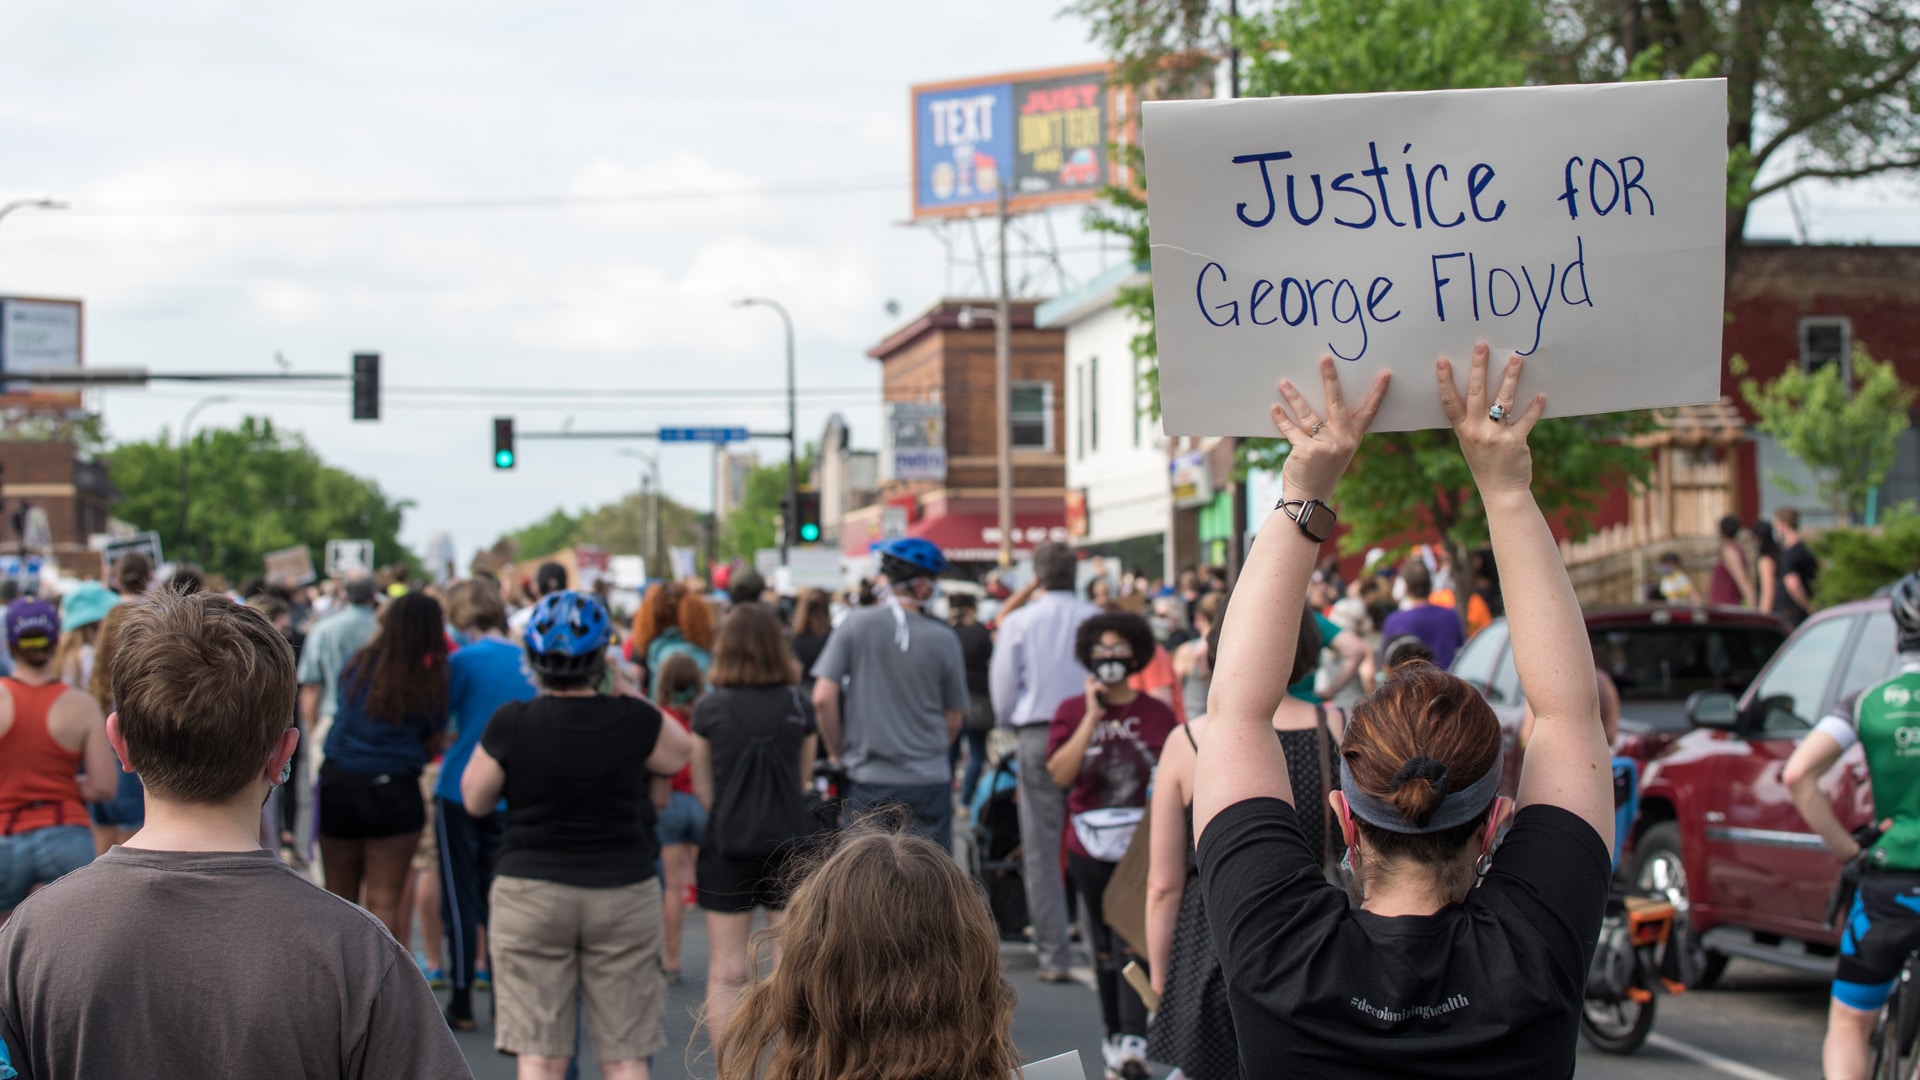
(486, 673)
(389, 720)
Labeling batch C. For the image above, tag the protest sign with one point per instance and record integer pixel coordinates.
(289, 566)
(1580, 226)
(146, 543)
(348, 557)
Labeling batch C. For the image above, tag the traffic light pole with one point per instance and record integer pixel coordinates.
(793, 429)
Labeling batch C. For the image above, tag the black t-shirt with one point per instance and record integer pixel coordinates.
(1795, 560)
(731, 715)
(1486, 989)
(806, 649)
(976, 651)
(579, 810)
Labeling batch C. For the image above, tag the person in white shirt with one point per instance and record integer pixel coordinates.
(1033, 671)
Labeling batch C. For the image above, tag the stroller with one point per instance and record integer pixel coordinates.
(996, 852)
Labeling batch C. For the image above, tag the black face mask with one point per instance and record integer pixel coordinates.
(1111, 672)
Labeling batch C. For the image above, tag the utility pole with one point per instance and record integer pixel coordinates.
(793, 426)
(1003, 393)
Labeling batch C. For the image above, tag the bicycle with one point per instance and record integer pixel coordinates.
(1893, 1034)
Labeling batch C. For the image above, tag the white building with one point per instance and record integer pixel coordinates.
(1116, 456)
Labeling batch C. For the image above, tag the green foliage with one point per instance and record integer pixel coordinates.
(254, 489)
(546, 536)
(1363, 46)
(621, 527)
(755, 523)
(1855, 562)
(1844, 434)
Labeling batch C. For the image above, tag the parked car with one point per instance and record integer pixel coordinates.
(1658, 655)
(1718, 832)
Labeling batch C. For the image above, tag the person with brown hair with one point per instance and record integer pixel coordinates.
(754, 732)
(1438, 959)
(672, 619)
(132, 575)
(891, 971)
(390, 719)
(190, 950)
(682, 820)
(1192, 660)
(812, 625)
(1193, 1027)
(118, 818)
(49, 733)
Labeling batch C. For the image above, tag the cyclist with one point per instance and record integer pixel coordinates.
(1883, 927)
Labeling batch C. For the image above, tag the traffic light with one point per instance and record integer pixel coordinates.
(503, 442)
(366, 386)
(806, 517)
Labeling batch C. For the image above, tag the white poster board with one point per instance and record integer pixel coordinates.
(146, 543)
(1581, 226)
(349, 557)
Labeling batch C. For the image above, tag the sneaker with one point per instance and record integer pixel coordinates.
(1130, 1058)
(436, 978)
(482, 979)
(1055, 975)
(461, 1021)
(1110, 1053)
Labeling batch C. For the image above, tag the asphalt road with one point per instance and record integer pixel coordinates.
(1762, 1023)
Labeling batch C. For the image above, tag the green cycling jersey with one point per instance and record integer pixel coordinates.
(1886, 720)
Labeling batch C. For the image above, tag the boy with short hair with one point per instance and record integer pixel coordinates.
(190, 951)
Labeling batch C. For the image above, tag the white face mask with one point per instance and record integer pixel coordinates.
(1111, 672)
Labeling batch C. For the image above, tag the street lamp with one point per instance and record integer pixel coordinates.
(653, 510)
(1002, 408)
(793, 427)
(31, 204)
(186, 444)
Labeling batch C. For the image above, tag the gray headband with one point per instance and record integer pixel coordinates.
(1456, 807)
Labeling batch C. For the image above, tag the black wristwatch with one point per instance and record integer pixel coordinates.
(1315, 518)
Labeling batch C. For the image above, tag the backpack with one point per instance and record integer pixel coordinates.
(762, 811)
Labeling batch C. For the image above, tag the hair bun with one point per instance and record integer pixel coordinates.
(1424, 768)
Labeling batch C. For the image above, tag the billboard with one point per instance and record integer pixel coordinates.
(40, 335)
(916, 442)
(1045, 134)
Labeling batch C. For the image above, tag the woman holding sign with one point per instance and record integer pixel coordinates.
(1450, 962)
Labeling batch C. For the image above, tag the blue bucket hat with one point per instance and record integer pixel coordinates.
(87, 604)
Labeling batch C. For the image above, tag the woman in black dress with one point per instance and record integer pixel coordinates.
(1193, 1028)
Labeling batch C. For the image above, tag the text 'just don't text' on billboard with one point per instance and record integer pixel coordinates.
(1045, 135)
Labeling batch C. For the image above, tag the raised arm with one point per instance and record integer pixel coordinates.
(1567, 762)
(1241, 759)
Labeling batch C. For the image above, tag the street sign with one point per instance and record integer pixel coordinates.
(703, 434)
(349, 556)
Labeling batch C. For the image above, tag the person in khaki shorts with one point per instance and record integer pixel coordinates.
(575, 907)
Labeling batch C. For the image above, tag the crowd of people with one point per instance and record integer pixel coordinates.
(1270, 862)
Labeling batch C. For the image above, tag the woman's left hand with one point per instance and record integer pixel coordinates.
(1322, 445)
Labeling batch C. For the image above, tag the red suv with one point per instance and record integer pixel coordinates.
(1657, 655)
(1718, 831)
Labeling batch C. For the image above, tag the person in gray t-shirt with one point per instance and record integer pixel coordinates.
(906, 694)
(190, 952)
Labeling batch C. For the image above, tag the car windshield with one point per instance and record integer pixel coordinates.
(1667, 663)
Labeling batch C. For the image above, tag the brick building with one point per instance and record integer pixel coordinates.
(74, 491)
(932, 359)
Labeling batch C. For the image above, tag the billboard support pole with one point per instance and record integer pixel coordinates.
(1003, 393)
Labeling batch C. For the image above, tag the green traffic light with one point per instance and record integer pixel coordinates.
(809, 532)
(503, 459)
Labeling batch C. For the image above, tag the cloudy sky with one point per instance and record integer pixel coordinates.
(169, 125)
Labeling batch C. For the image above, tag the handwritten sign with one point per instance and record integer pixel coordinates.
(290, 566)
(349, 557)
(1582, 225)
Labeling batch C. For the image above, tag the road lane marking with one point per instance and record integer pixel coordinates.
(1710, 1059)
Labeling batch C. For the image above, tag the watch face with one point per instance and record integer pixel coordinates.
(1316, 520)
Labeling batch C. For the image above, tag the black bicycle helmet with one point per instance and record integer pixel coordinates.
(1905, 601)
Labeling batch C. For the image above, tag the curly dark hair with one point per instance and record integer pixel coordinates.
(1132, 627)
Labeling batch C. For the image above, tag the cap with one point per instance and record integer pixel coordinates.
(550, 578)
(32, 624)
(87, 604)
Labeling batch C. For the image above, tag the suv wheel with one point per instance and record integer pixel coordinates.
(1658, 869)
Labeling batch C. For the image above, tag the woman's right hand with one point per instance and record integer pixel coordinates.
(1496, 450)
(1095, 705)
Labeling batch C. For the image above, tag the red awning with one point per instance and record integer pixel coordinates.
(976, 537)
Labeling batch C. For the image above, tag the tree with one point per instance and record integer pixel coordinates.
(254, 489)
(616, 526)
(755, 523)
(1856, 562)
(1816, 89)
(1405, 482)
(1844, 434)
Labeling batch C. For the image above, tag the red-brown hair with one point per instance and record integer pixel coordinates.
(668, 606)
(1420, 712)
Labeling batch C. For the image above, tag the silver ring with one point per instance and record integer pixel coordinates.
(1316, 429)
(1498, 412)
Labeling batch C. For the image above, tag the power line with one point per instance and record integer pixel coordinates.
(503, 202)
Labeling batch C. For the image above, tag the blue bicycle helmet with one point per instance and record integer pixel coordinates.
(904, 558)
(567, 634)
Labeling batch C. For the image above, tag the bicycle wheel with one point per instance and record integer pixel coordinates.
(1893, 1056)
